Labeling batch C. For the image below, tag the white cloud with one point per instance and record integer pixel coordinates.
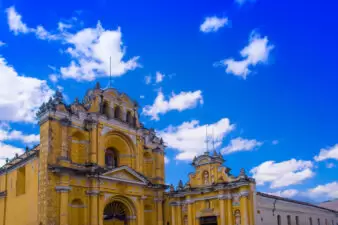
(330, 165)
(13, 135)
(327, 153)
(2, 43)
(257, 51)
(64, 26)
(8, 151)
(189, 137)
(329, 190)
(20, 96)
(91, 49)
(159, 77)
(284, 173)
(289, 193)
(53, 77)
(142, 97)
(16, 25)
(180, 102)
(166, 160)
(213, 24)
(240, 144)
(15, 22)
(147, 79)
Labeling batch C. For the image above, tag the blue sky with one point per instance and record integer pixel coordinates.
(261, 74)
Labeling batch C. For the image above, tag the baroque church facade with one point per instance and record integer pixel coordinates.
(96, 164)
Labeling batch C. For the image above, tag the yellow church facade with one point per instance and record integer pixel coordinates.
(97, 164)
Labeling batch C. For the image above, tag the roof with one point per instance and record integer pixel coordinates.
(295, 201)
(333, 204)
(20, 159)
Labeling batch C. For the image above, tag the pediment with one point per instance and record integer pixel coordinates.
(125, 174)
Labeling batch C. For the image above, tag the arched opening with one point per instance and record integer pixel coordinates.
(76, 212)
(129, 119)
(117, 112)
(116, 213)
(279, 222)
(111, 158)
(289, 219)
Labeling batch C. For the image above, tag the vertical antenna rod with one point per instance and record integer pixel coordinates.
(110, 72)
(213, 140)
(206, 137)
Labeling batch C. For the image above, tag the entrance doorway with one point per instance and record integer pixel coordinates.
(115, 213)
(209, 220)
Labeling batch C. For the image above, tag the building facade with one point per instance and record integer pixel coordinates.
(282, 211)
(96, 164)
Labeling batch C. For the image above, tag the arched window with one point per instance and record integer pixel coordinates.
(205, 177)
(318, 221)
(129, 118)
(297, 220)
(105, 109)
(289, 219)
(310, 220)
(279, 222)
(117, 112)
(77, 212)
(111, 158)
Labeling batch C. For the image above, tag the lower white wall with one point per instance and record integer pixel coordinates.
(268, 208)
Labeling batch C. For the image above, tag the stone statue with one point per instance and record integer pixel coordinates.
(171, 188)
(206, 177)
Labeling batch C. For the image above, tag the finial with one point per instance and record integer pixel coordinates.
(215, 153)
(27, 149)
(172, 189)
(58, 97)
(7, 160)
(76, 101)
(16, 155)
(242, 173)
(97, 86)
(180, 185)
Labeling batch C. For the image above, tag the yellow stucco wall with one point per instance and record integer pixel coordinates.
(60, 190)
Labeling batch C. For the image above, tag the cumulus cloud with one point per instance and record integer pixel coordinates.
(257, 51)
(90, 48)
(179, 102)
(15, 21)
(20, 96)
(166, 160)
(284, 173)
(189, 137)
(327, 153)
(7, 134)
(240, 144)
(289, 193)
(8, 151)
(159, 77)
(328, 191)
(213, 24)
(147, 79)
(17, 26)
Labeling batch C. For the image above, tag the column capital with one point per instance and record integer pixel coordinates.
(63, 188)
(93, 192)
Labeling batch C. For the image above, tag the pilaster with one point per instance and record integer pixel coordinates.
(191, 215)
(229, 211)
(244, 209)
(64, 192)
(159, 211)
(93, 210)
